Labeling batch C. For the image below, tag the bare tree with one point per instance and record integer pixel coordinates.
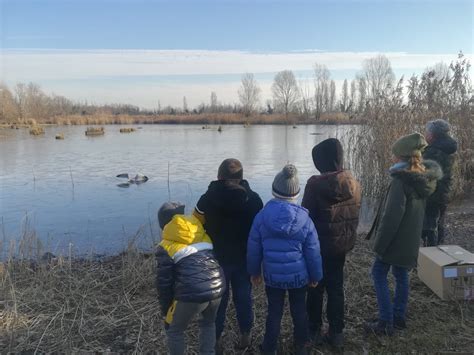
(332, 95)
(306, 98)
(353, 95)
(249, 94)
(8, 107)
(213, 101)
(379, 78)
(362, 88)
(344, 97)
(285, 91)
(185, 105)
(321, 90)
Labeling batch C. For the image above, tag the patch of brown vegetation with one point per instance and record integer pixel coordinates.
(36, 131)
(127, 130)
(95, 131)
(76, 305)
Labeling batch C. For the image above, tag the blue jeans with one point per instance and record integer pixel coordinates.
(276, 302)
(387, 310)
(237, 277)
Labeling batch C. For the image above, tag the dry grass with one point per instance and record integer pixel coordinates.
(127, 130)
(59, 136)
(67, 304)
(95, 131)
(36, 131)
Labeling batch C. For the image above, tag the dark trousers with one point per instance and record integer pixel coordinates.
(276, 302)
(333, 284)
(433, 226)
(237, 279)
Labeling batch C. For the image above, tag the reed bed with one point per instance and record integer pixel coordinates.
(208, 118)
(70, 305)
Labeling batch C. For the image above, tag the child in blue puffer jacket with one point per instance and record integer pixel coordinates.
(284, 241)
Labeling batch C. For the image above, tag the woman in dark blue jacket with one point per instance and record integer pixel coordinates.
(284, 241)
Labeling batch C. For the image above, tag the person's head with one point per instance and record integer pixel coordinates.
(436, 129)
(230, 169)
(167, 211)
(286, 185)
(409, 149)
(328, 155)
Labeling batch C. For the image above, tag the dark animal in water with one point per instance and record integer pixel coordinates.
(137, 179)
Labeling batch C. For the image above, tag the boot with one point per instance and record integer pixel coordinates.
(379, 327)
(316, 337)
(335, 339)
(399, 323)
(263, 352)
(244, 341)
(219, 347)
(303, 349)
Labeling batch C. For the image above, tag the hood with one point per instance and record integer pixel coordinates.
(336, 186)
(446, 144)
(424, 183)
(229, 194)
(328, 155)
(185, 230)
(284, 218)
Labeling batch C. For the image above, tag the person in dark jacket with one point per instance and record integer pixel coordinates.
(284, 243)
(227, 210)
(190, 281)
(396, 232)
(441, 149)
(333, 201)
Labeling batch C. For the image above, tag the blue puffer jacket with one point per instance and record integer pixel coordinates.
(284, 239)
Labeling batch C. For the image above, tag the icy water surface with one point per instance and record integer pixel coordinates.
(66, 190)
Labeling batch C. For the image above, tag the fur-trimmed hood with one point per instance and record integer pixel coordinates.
(423, 183)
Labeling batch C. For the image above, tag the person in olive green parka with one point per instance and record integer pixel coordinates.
(396, 232)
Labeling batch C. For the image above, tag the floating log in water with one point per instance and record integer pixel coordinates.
(127, 130)
(95, 131)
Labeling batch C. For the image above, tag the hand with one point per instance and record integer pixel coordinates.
(313, 284)
(256, 280)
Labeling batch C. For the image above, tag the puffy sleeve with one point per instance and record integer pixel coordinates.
(255, 248)
(164, 279)
(391, 217)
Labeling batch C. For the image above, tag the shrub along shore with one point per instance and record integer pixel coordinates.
(205, 118)
(62, 304)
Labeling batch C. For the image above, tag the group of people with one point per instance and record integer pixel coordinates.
(232, 242)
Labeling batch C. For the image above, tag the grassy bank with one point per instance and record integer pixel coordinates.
(69, 305)
(211, 118)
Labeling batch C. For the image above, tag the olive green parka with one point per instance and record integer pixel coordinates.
(396, 232)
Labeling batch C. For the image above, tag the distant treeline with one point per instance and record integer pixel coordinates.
(440, 89)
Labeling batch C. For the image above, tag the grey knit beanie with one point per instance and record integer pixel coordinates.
(438, 127)
(167, 211)
(286, 184)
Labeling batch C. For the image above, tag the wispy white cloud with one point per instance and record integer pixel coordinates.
(61, 69)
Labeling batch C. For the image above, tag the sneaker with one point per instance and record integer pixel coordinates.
(379, 327)
(335, 339)
(244, 341)
(399, 323)
(303, 349)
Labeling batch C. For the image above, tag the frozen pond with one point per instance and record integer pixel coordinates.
(66, 190)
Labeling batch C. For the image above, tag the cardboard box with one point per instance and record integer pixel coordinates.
(448, 270)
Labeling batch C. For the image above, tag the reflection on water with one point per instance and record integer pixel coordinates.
(68, 188)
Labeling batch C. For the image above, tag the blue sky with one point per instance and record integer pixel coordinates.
(46, 28)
